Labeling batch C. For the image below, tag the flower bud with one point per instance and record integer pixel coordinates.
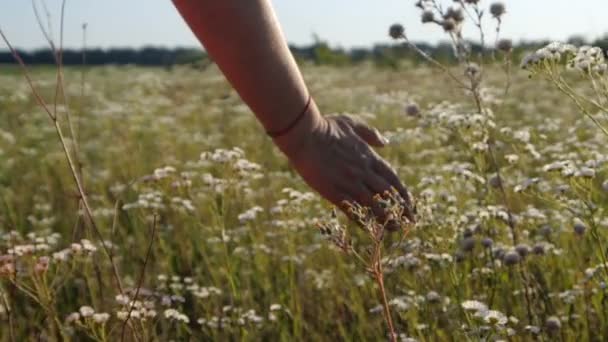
(396, 31)
(497, 9)
(511, 258)
(523, 250)
(468, 244)
(487, 242)
(428, 17)
(539, 248)
(448, 25)
(579, 227)
(412, 109)
(553, 324)
(454, 13)
(504, 45)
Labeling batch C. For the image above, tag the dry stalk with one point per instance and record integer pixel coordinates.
(141, 278)
(71, 163)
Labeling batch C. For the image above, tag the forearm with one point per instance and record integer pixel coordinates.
(244, 38)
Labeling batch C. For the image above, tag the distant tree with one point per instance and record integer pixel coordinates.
(320, 53)
(323, 54)
(577, 40)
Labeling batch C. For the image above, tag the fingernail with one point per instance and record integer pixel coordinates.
(384, 140)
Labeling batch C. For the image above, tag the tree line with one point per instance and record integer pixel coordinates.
(319, 53)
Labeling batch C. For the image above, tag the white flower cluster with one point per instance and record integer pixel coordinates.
(250, 214)
(589, 59)
(585, 58)
(568, 168)
(164, 172)
(87, 313)
(177, 284)
(177, 316)
(182, 204)
(238, 317)
(33, 243)
(480, 310)
(148, 200)
(295, 200)
(134, 309)
(550, 53)
(223, 156)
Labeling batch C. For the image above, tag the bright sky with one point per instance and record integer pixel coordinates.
(345, 23)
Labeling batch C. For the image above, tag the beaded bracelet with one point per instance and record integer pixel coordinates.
(295, 121)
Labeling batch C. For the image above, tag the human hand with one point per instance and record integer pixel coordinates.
(334, 157)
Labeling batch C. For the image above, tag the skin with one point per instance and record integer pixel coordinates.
(331, 153)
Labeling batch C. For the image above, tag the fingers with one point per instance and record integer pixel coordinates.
(383, 169)
(364, 172)
(368, 134)
(357, 191)
(364, 195)
(340, 197)
(376, 183)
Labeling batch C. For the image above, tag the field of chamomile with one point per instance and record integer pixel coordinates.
(148, 204)
(200, 230)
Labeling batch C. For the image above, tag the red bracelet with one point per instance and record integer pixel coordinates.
(295, 121)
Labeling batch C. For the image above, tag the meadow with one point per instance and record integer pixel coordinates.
(176, 218)
(235, 249)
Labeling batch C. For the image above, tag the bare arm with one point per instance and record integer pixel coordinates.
(332, 154)
(244, 38)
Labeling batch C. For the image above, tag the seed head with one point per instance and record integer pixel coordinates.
(449, 25)
(539, 248)
(553, 324)
(505, 45)
(579, 227)
(454, 13)
(396, 31)
(498, 252)
(412, 109)
(523, 250)
(494, 181)
(545, 230)
(497, 9)
(468, 244)
(428, 17)
(473, 70)
(511, 258)
(459, 256)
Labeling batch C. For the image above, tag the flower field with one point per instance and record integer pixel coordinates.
(214, 237)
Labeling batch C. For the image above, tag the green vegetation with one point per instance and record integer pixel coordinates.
(232, 237)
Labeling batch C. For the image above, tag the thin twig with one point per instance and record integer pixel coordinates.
(434, 62)
(9, 314)
(71, 164)
(379, 275)
(141, 278)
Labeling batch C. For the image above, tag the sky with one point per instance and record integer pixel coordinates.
(343, 23)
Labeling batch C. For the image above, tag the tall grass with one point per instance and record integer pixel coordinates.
(171, 191)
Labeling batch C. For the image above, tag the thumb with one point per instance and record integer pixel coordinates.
(368, 134)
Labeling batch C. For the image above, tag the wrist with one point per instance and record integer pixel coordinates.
(293, 140)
